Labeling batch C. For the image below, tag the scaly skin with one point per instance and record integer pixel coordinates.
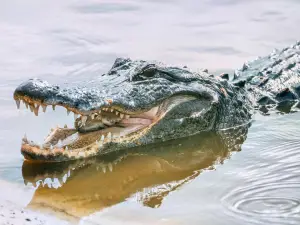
(155, 103)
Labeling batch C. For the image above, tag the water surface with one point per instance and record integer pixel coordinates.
(198, 180)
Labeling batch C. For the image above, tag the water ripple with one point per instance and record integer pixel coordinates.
(268, 202)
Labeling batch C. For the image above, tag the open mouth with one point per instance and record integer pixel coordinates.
(93, 132)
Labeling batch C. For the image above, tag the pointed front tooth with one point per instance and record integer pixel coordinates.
(111, 110)
(83, 119)
(51, 147)
(66, 148)
(44, 108)
(53, 107)
(93, 116)
(18, 103)
(121, 115)
(26, 104)
(24, 139)
(117, 113)
(68, 112)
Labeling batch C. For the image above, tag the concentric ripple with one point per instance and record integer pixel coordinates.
(268, 202)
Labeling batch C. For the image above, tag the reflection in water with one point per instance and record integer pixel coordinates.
(150, 173)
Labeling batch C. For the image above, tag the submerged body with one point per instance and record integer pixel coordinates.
(138, 103)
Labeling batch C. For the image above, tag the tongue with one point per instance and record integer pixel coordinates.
(140, 121)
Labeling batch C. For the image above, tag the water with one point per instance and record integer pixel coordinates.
(192, 181)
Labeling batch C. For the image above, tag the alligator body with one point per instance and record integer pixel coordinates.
(138, 103)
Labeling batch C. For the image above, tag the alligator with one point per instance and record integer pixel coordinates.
(137, 103)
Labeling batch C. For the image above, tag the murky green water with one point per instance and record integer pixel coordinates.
(197, 180)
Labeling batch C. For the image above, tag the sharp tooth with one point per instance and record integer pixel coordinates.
(127, 116)
(68, 112)
(117, 113)
(99, 143)
(24, 139)
(102, 138)
(26, 104)
(121, 115)
(59, 143)
(31, 108)
(66, 148)
(93, 116)
(53, 107)
(65, 126)
(36, 110)
(44, 108)
(18, 103)
(83, 120)
(51, 147)
(75, 116)
(111, 110)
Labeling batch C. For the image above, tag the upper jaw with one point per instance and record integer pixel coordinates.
(85, 101)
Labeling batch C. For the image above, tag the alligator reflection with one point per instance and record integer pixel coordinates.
(149, 174)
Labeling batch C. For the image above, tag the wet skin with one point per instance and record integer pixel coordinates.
(140, 103)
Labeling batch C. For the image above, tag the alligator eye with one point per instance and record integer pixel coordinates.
(146, 72)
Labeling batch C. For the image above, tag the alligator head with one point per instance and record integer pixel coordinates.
(135, 103)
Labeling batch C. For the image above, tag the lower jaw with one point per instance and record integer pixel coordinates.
(109, 144)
